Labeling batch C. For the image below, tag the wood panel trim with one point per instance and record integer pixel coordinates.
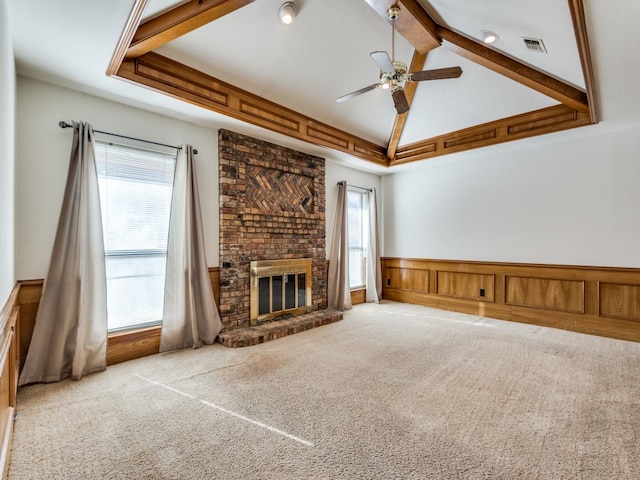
(415, 284)
(9, 364)
(579, 314)
(9, 309)
(127, 35)
(456, 290)
(358, 296)
(417, 25)
(538, 122)
(542, 296)
(625, 305)
(414, 23)
(190, 85)
(578, 18)
(132, 344)
(417, 64)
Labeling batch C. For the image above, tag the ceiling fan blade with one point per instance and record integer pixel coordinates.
(400, 101)
(348, 96)
(383, 61)
(437, 74)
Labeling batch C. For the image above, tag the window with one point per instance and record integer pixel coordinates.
(358, 225)
(135, 198)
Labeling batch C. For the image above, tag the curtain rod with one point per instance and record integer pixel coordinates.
(64, 124)
(356, 186)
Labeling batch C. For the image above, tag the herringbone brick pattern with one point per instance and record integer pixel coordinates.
(275, 191)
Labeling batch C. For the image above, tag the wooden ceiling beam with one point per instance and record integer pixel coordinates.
(417, 64)
(187, 84)
(177, 22)
(417, 26)
(414, 23)
(580, 27)
(475, 51)
(127, 35)
(539, 122)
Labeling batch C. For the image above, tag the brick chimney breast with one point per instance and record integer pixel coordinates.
(272, 207)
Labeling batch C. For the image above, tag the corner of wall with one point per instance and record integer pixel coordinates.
(7, 157)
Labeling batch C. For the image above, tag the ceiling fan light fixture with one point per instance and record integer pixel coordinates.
(488, 36)
(287, 13)
(394, 75)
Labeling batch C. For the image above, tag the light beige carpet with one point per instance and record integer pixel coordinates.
(393, 391)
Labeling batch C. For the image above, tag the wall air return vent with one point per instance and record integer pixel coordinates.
(534, 45)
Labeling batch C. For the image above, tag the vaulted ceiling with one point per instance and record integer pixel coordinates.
(233, 58)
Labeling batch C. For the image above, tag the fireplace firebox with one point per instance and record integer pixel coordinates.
(280, 287)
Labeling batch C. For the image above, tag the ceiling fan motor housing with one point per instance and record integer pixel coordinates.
(400, 68)
(393, 13)
(395, 79)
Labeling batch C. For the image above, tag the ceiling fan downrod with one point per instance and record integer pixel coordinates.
(393, 13)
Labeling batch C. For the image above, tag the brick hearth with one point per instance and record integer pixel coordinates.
(245, 337)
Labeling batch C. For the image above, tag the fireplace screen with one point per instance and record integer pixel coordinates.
(280, 287)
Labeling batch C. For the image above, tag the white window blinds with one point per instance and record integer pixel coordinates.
(358, 233)
(135, 197)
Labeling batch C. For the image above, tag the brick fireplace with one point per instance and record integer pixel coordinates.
(272, 209)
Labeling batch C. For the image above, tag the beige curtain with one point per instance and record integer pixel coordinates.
(190, 318)
(338, 291)
(70, 333)
(373, 282)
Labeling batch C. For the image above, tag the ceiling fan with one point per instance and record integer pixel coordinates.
(394, 74)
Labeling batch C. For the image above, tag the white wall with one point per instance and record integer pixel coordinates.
(43, 150)
(43, 157)
(7, 157)
(567, 198)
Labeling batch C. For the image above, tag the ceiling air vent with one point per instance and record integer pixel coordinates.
(534, 45)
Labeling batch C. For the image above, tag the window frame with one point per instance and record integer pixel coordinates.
(139, 253)
(363, 234)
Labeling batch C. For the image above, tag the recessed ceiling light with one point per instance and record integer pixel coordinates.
(287, 13)
(489, 36)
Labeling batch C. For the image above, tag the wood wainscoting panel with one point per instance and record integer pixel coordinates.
(413, 279)
(602, 301)
(28, 300)
(473, 286)
(551, 294)
(121, 346)
(9, 361)
(620, 301)
(132, 344)
(358, 296)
